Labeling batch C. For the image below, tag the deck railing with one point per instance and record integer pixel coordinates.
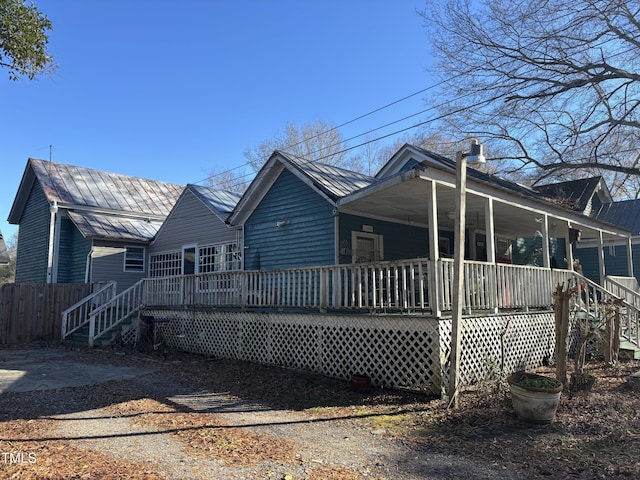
(406, 285)
(77, 315)
(120, 307)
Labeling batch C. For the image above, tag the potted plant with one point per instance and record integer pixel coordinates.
(535, 397)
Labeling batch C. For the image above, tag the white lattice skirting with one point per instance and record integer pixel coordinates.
(395, 351)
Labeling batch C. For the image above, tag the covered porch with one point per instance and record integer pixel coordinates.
(505, 223)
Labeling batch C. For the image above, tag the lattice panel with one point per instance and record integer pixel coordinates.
(393, 351)
(529, 340)
(129, 333)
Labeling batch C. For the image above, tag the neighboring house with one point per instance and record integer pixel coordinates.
(298, 213)
(4, 254)
(80, 225)
(194, 238)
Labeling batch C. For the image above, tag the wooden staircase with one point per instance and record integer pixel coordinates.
(103, 317)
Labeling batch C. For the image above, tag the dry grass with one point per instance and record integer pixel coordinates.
(596, 434)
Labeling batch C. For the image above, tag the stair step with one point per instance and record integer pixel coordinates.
(629, 351)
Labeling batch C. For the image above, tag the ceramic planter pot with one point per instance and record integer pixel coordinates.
(535, 397)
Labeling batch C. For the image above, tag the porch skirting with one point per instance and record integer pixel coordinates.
(396, 351)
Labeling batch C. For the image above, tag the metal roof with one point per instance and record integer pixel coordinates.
(625, 213)
(101, 204)
(220, 202)
(80, 186)
(334, 181)
(108, 226)
(574, 194)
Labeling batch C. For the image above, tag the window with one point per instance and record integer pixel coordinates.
(134, 259)
(219, 258)
(165, 264)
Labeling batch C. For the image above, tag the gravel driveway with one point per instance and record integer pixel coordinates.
(199, 418)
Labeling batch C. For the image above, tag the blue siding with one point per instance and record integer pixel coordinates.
(615, 261)
(399, 241)
(308, 238)
(72, 253)
(33, 239)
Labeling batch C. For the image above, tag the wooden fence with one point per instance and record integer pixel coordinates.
(33, 312)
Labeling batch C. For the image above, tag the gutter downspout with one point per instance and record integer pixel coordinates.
(89, 264)
(53, 209)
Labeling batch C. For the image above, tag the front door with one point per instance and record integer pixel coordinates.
(367, 247)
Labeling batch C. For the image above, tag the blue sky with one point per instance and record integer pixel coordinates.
(170, 90)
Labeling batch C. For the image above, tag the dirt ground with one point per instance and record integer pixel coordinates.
(193, 417)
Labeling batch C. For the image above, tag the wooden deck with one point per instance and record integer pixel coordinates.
(404, 286)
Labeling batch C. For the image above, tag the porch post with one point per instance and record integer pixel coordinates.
(490, 229)
(432, 213)
(434, 250)
(601, 267)
(629, 257)
(546, 257)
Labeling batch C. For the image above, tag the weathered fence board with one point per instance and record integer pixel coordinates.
(33, 312)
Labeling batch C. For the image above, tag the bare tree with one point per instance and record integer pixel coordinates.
(319, 141)
(553, 84)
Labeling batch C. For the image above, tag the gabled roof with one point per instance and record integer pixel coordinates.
(330, 182)
(4, 254)
(625, 213)
(575, 194)
(399, 163)
(220, 202)
(98, 198)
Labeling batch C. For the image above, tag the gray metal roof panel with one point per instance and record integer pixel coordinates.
(625, 214)
(219, 201)
(334, 181)
(71, 185)
(575, 194)
(114, 227)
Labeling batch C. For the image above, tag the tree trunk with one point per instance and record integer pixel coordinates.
(561, 310)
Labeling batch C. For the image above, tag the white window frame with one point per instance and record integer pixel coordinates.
(127, 266)
(196, 262)
(165, 264)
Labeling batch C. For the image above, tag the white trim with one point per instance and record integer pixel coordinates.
(195, 260)
(378, 245)
(144, 259)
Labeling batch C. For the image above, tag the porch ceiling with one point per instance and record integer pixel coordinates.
(408, 202)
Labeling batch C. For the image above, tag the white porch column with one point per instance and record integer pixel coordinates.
(434, 250)
(629, 257)
(432, 213)
(601, 268)
(546, 257)
(490, 229)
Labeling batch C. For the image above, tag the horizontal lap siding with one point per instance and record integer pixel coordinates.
(191, 222)
(400, 241)
(108, 265)
(72, 253)
(307, 240)
(33, 239)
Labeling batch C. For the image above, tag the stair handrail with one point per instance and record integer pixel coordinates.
(77, 315)
(107, 316)
(629, 311)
